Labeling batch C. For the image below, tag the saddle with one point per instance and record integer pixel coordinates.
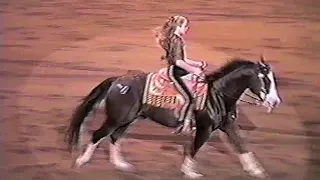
(161, 92)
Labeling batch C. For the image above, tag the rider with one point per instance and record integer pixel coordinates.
(170, 37)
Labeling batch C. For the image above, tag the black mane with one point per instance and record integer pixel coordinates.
(228, 67)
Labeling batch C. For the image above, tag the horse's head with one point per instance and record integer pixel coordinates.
(263, 84)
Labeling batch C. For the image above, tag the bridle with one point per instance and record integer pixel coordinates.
(257, 100)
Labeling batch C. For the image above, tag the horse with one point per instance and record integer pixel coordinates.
(152, 95)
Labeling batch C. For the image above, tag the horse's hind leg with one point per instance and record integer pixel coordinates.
(115, 154)
(97, 138)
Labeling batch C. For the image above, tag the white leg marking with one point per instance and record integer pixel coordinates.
(117, 159)
(188, 168)
(82, 132)
(251, 165)
(86, 156)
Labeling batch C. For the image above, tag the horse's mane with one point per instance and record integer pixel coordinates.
(228, 67)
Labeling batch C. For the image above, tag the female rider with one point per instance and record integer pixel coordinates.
(170, 37)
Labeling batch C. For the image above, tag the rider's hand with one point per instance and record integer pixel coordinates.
(202, 75)
(203, 65)
(197, 71)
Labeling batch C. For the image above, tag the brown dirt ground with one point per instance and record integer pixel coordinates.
(54, 52)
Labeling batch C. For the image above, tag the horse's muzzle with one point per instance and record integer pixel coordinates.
(271, 102)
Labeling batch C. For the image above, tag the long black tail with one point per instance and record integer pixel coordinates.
(81, 112)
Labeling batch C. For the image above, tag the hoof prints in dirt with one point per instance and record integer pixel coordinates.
(21, 62)
(15, 45)
(121, 48)
(72, 36)
(54, 26)
(21, 151)
(168, 148)
(229, 49)
(27, 167)
(285, 82)
(311, 123)
(31, 38)
(25, 139)
(279, 175)
(4, 97)
(37, 14)
(289, 82)
(49, 149)
(14, 28)
(61, 129)
(65, 65)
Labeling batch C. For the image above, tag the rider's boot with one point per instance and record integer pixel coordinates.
(187, 126)
(186, 129)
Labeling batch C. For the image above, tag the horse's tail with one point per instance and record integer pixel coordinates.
(81, 112)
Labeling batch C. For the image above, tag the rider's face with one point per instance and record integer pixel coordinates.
(184, 28)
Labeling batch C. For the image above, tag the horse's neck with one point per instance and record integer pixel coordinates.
(233, 85)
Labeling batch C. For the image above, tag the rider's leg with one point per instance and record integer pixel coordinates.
(175, 73)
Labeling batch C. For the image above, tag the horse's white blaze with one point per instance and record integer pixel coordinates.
(251, 165)
(117, 159)
(262, 94)
(272, 98)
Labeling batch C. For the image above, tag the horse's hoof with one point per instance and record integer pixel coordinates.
(124, 166)
(78, 163)
(192, 175)
(258, 173)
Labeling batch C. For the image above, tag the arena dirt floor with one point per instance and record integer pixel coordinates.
(54, 52)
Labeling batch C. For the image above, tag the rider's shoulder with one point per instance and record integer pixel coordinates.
(177, 39)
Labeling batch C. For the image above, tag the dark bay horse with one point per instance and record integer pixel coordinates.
(124, 99)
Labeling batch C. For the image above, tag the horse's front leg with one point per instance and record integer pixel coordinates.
(247, 159)
(189, 164)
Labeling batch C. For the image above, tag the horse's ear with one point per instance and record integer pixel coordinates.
(262, 59)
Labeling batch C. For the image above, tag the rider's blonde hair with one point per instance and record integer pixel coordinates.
(165, 32)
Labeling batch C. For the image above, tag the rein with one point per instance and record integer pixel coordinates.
(252, 97)
(251, 103)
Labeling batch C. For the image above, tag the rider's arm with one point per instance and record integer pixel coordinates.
(178, 52)
(195, 63)
(184, 65)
